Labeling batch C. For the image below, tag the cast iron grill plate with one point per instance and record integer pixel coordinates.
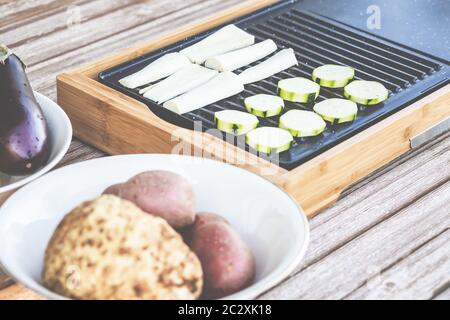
(407, 74)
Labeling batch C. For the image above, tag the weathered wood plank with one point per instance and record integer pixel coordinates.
(372, 203)
(415, 277)
(80, 152)
(17, 292)
(21, 12)
(66, 17)
(384, 245)
(14, 9)
(98, 28)
(5, 281)
(43, 75)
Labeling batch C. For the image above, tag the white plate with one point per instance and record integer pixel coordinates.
(265, 216)
(60, 131)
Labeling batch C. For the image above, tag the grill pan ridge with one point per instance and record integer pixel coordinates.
(316, 40)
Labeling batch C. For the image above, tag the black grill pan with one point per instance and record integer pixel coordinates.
(317, 40)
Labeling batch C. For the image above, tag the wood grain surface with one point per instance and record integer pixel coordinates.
(387, 237)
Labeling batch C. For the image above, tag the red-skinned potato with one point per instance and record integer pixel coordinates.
(160, 193)
(201, 218)
(204, 218)
(227, 262)
(114, 189)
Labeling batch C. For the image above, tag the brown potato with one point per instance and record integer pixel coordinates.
(227, 262)
(160, 193)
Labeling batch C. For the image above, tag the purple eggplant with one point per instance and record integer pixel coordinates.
(24, 139)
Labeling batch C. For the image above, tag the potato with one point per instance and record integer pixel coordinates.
(201, 219)
(114, 189)
(160, 193)
(227, 262)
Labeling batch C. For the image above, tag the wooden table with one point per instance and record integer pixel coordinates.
(387, 237)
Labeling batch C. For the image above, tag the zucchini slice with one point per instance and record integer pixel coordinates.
(264, 105)
(235, 122)
(269, 140)
(333, 76)
(298, 90)
(366, 92)
(302, 123)
(337, 110)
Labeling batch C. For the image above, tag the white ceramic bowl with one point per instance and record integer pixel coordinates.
(60, 130)
(265, 216)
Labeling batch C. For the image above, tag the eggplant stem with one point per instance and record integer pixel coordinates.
(4, 53)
